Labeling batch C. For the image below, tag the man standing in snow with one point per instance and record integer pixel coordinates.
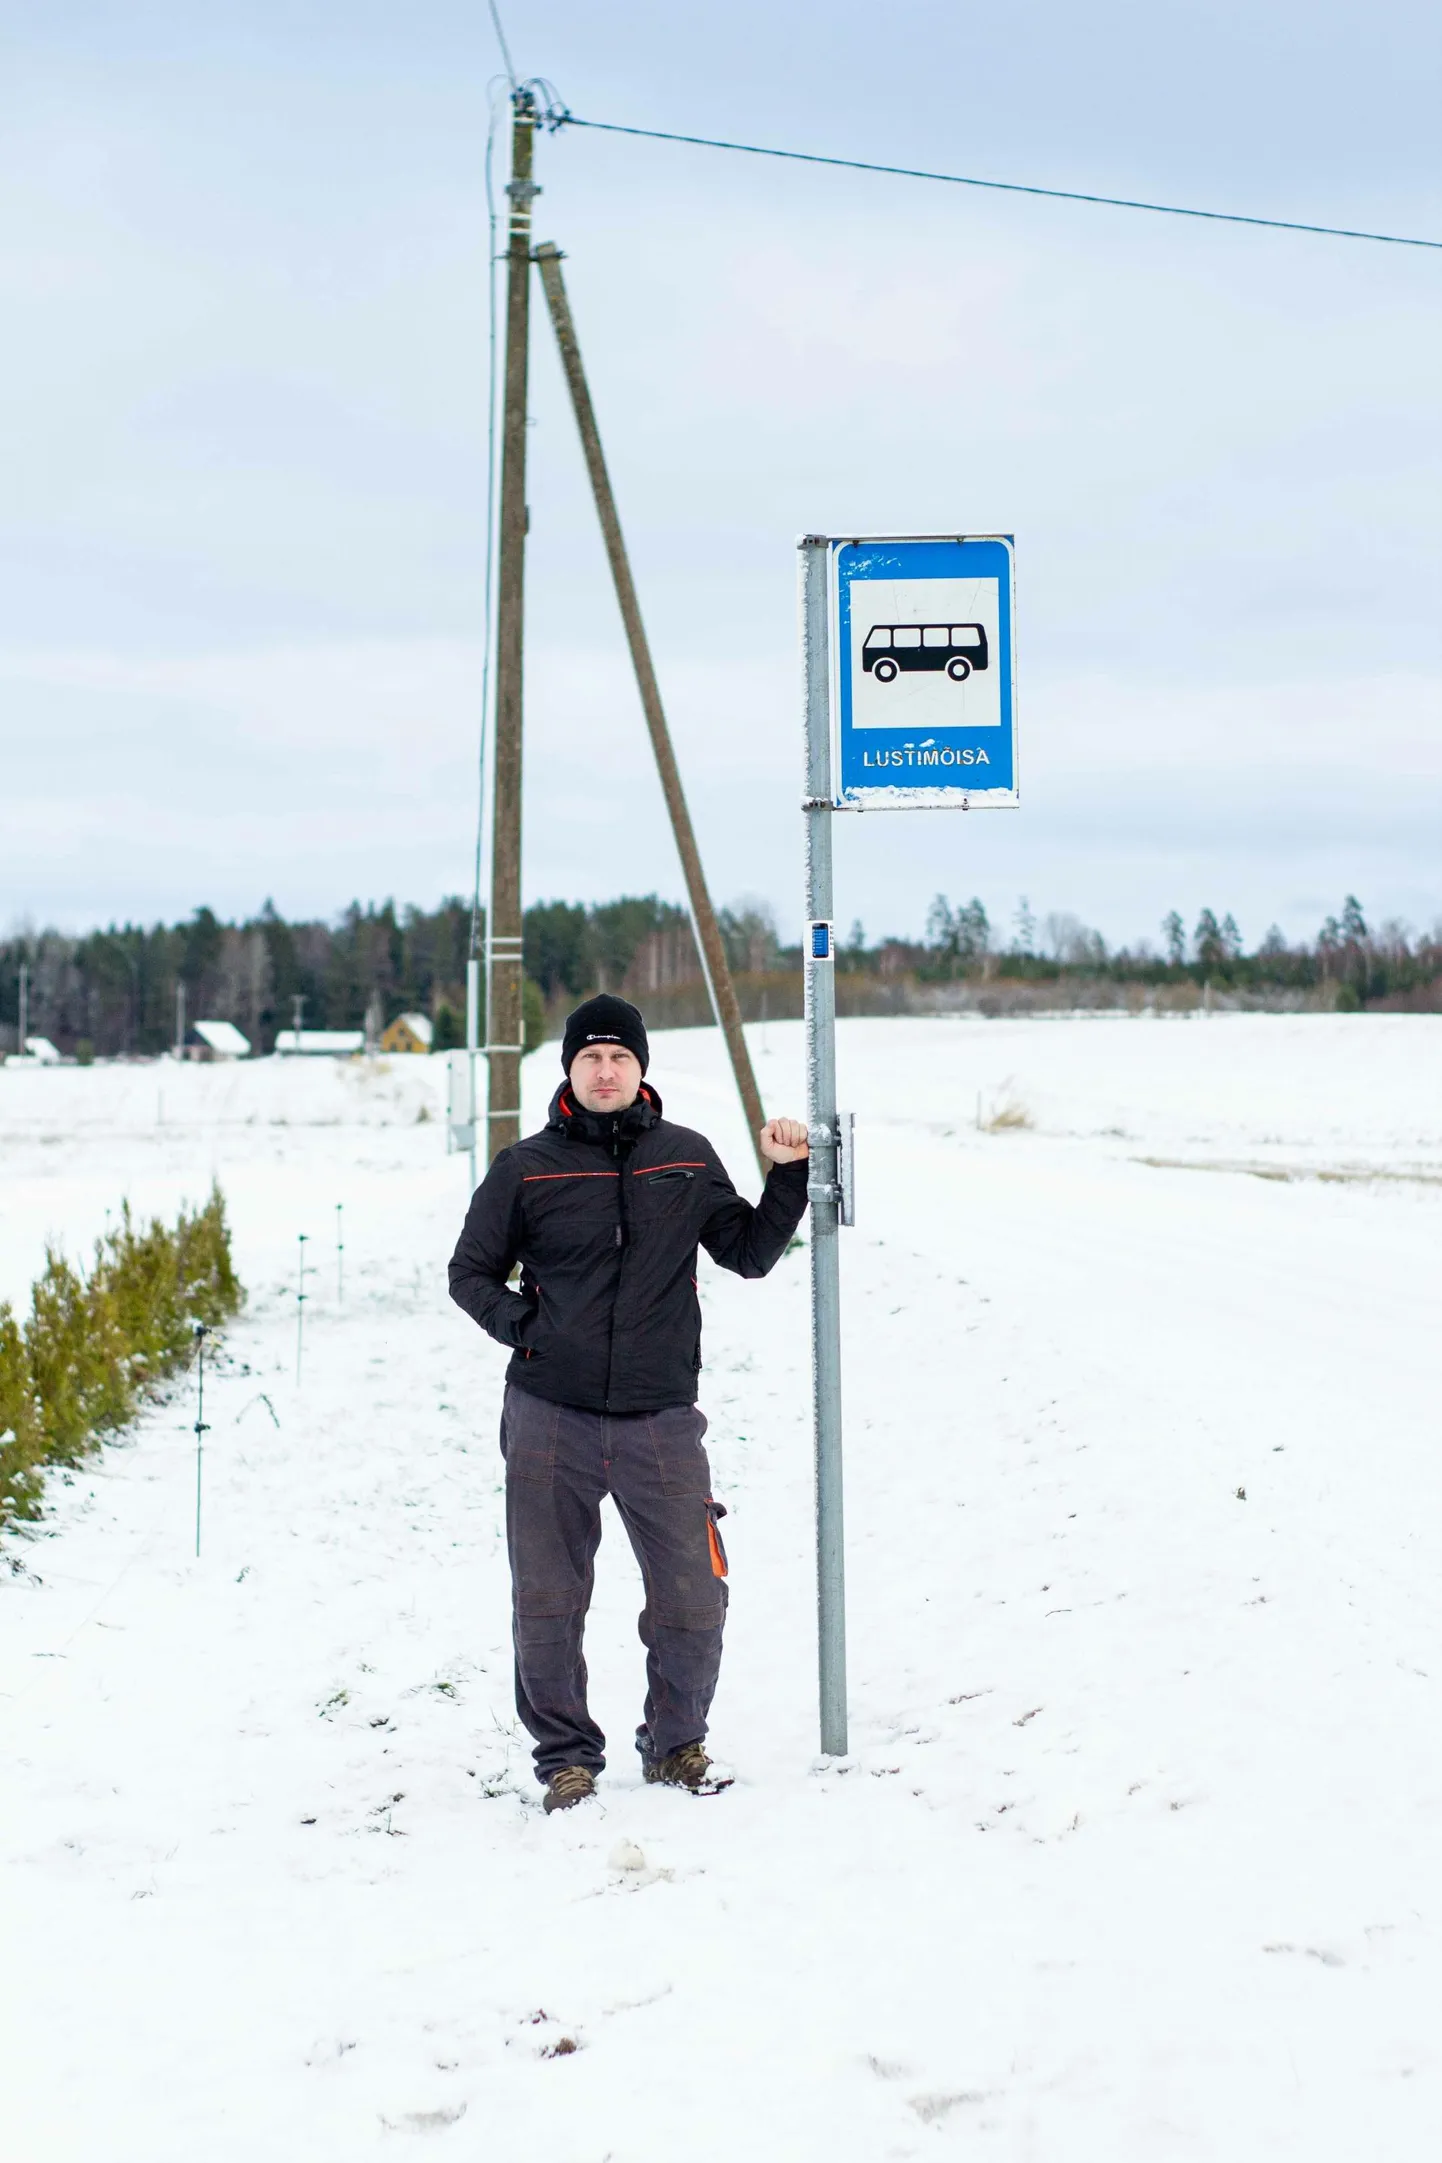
(604, 1210)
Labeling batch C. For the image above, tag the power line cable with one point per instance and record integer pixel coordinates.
(501, 41)
(559, 117)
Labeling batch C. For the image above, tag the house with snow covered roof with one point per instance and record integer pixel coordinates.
(217, 1040)
(408, 1033)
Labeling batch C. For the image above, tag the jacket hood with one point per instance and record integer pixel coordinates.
(567, 1116)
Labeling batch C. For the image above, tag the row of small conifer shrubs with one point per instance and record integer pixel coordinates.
(96, 1344)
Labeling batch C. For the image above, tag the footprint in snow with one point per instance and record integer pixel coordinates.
(931, 2109)
(424, 2121)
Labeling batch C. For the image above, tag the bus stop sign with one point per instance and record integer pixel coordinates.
(923, 673)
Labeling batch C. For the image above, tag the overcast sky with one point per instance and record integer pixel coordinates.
(243, 264)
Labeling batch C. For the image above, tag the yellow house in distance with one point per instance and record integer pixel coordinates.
(407, 1033)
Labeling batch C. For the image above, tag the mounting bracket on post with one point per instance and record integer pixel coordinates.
(846, 1167)
(840, 1192)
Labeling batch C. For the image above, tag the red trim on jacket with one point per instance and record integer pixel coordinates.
(529, 1179)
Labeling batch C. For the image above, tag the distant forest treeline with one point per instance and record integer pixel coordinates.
(114, 992)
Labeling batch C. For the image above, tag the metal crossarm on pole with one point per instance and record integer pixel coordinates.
(823, 1128)
(724, 1003)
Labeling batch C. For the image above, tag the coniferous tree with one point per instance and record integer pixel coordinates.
(1208, 942)
(1174, 931)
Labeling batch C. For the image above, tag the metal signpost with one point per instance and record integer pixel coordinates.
(907, 656)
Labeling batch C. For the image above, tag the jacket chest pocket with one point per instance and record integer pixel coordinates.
(666, 1192)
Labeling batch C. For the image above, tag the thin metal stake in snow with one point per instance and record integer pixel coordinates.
(339, 1256)
(825, 1179)
(300, 1300)
(201, 1429)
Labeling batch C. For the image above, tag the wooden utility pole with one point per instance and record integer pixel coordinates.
(505, 971)
(703, 916)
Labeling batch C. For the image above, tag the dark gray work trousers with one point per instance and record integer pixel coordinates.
(559, 1464)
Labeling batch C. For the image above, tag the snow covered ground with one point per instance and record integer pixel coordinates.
(1139, 1852)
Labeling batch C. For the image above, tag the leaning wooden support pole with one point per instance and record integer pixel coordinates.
(703, 916)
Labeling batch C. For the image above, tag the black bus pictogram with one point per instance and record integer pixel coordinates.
(956, 647)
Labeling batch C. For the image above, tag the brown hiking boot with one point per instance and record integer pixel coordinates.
(571, 1785)
(690, 1768)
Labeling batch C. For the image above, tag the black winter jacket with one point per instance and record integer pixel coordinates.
(604, 1214)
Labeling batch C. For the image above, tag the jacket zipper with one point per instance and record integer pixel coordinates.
(623, 1241)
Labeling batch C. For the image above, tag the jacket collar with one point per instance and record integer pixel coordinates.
(568, 1117)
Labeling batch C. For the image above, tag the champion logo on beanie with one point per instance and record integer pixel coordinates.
(605, 1020)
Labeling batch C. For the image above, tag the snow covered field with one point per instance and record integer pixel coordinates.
(1139, 1853)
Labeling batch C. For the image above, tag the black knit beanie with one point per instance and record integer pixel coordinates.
(605, 1020)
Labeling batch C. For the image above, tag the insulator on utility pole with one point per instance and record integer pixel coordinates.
(505, 970)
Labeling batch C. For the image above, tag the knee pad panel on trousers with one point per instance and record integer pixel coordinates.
(542, 1606)
(706, 1612)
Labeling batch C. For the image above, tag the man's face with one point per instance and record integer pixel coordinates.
(605, 1077)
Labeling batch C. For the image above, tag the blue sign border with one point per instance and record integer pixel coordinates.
(950, 776)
